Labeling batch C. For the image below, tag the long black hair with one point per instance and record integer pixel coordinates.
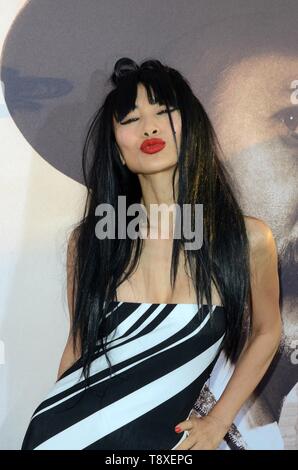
(101, 265)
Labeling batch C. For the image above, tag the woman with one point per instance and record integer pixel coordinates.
(149, 317)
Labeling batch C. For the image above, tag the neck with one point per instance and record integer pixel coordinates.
(157, 198)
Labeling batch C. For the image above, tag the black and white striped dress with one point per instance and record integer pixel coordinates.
(162, 354)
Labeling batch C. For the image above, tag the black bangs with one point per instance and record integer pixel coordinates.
(160, 90)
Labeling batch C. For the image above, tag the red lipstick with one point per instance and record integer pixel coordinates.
(152, 145)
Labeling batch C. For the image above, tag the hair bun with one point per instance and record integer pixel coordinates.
(123, 67)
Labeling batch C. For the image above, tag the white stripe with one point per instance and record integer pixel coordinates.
(173, 316)
(202, 324)
(132, 406)
(178, 319)
(126, 324)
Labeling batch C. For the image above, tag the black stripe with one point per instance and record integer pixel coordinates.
(74, 409)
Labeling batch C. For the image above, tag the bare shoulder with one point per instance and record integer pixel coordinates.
(264, 279)
(260, 236)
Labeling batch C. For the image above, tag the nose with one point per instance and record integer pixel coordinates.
(152, 131)
(150, 128)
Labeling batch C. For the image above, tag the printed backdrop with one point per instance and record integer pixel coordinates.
(241, 60)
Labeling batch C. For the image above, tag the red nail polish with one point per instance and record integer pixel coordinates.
(178, 429)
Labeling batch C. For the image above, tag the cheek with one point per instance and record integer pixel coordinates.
(125, 139)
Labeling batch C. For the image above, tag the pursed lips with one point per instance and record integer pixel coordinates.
(152, 145)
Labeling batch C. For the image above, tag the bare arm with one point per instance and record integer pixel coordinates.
(69, 356)
(267, 325)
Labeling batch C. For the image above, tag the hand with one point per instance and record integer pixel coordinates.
(205, 432)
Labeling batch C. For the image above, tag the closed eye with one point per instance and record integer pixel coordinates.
(160, 112)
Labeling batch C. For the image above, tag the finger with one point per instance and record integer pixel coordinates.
(184, 426)
(182, 441)
(187, 444)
